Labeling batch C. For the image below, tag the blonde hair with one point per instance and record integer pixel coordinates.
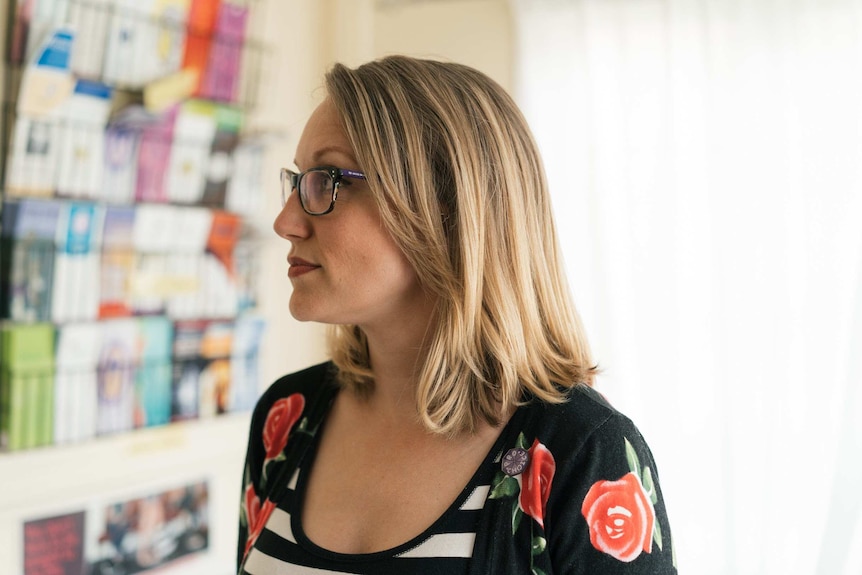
(462, 190)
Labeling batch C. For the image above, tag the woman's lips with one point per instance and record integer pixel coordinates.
(299, 266)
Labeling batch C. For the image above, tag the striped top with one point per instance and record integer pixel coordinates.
(445, 547)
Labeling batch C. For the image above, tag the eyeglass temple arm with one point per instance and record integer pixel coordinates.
(352, 174)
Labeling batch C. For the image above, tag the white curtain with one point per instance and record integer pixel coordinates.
(705, 160)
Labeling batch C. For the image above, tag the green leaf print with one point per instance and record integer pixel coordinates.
(656, 534)
(539, 544)
(517, 515)
(504, 486)
(304, 427)
(632, 458)
(537, 571)
(649, 485)
(522, 442)
(265, 476)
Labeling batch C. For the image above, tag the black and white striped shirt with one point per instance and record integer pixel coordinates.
(445, 547)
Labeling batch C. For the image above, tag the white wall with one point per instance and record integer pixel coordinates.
(478, 33)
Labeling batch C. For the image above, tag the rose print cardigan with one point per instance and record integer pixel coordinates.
(575, 490)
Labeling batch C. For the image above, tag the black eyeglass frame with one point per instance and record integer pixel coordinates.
(337, 175)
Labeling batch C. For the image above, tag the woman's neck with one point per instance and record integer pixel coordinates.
(397, 353)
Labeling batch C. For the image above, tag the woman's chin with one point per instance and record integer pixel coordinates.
(299, 311)
(303, 310)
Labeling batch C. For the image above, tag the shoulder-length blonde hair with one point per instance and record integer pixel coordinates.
(462, 190)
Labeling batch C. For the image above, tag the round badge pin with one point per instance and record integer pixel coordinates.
(515, 461)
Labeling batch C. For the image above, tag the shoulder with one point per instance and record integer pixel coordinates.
(587, 436)
(292, 405)
(310, 383)
(583, 416)
(296, 400)
(598, 474)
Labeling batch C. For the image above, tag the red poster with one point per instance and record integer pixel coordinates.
(54, 545)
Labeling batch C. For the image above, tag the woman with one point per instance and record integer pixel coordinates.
(455, 429)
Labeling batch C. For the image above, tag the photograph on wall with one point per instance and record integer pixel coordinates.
(159, 531)
(137, 535)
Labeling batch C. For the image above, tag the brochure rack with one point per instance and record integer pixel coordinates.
(127, 178)
(127, 263)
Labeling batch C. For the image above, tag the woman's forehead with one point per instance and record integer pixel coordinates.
(323, 139)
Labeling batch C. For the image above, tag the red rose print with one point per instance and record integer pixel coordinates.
(282, 416)
(257, 515)
(536, 482)
(621, 517)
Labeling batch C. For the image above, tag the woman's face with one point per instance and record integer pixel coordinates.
(344, 266)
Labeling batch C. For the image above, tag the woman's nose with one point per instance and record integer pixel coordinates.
(292, 222)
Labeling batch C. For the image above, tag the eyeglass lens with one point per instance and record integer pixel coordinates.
(315, 191)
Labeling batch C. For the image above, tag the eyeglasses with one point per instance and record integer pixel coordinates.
(318, 187)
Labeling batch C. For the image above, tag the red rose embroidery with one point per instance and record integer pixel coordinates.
(536, 482)
(621, 517)
(257, 515)
(282, 416)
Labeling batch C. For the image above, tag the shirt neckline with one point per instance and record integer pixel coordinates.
(485, 469)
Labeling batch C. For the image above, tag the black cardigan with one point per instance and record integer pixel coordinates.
(591, 501)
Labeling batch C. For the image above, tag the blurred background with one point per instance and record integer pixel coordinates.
(704, 161)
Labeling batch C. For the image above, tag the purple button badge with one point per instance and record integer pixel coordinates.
(515, 461)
